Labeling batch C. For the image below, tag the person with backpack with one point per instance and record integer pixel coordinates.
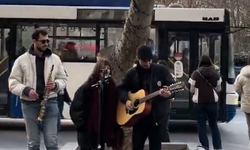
(204, 83)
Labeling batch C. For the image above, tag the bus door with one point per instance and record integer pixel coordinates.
(4, 65)
(174, 47)
(211, 44)
(7, 57)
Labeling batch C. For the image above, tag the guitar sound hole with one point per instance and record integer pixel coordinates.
(136, 104)
(131, 112)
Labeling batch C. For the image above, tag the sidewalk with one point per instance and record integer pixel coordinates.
(12, 122)
(165, 146)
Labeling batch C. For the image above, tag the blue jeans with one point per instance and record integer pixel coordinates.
(49, 125)
(208, 112)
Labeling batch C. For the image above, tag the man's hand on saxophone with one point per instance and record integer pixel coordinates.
(51, 85)
(33, 94)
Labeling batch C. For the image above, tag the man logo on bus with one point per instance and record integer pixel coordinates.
(210, 18)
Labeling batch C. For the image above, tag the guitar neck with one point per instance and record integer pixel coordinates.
(148, 97)
(173, 88)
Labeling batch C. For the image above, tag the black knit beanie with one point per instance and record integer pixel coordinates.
(144, 53)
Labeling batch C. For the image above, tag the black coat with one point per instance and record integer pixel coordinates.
(159, 73)
(81, 111)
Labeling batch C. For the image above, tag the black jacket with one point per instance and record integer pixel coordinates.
(159, 73)
(206, 87)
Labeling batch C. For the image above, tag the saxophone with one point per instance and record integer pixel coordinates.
(45, 98)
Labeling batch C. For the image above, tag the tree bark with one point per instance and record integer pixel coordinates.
(136, 31)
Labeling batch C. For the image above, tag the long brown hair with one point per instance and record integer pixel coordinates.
(205, 61)
(94, 76)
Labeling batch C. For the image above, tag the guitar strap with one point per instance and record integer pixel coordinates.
(205, 79)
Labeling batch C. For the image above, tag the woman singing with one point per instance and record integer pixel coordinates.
(85, 109)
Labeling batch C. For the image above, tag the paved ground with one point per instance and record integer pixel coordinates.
(234, 136)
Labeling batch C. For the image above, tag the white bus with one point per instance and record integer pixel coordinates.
(78, 33)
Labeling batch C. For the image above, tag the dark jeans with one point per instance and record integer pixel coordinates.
(208, 112)
(146, 128)
(60, 103)
(88, 141)
(165, 132)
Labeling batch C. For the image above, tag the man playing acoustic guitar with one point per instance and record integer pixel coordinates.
(151, 78)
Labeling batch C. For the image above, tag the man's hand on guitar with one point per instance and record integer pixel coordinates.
(165, 93)
(129, 105)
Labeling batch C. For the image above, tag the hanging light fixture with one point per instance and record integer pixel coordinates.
(63, 29)
(23, 28)
(49, 28)
(92, 29)
(72, 29)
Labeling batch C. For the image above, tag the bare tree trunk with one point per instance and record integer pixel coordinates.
(136, 31)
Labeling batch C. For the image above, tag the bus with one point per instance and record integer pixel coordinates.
(78, 33)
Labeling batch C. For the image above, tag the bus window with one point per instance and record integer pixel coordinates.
(231, 72)
(26, 32)
(179, 43)
(76, 50)
(203, 45)
(110, 35)
(210, 44)
(67, 42)
(61, 30)
(179, 49)
(153, 43)
(49, 29)
(81, 32)
(217, 51)
(76, 46)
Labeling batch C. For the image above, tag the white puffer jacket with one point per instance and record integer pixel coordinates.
(23, 74)
(242, 85)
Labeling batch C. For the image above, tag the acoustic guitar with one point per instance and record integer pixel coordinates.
(128, 118)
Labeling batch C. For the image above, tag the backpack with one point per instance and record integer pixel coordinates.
(75, 110)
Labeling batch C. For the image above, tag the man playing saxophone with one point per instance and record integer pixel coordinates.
(31, 76)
